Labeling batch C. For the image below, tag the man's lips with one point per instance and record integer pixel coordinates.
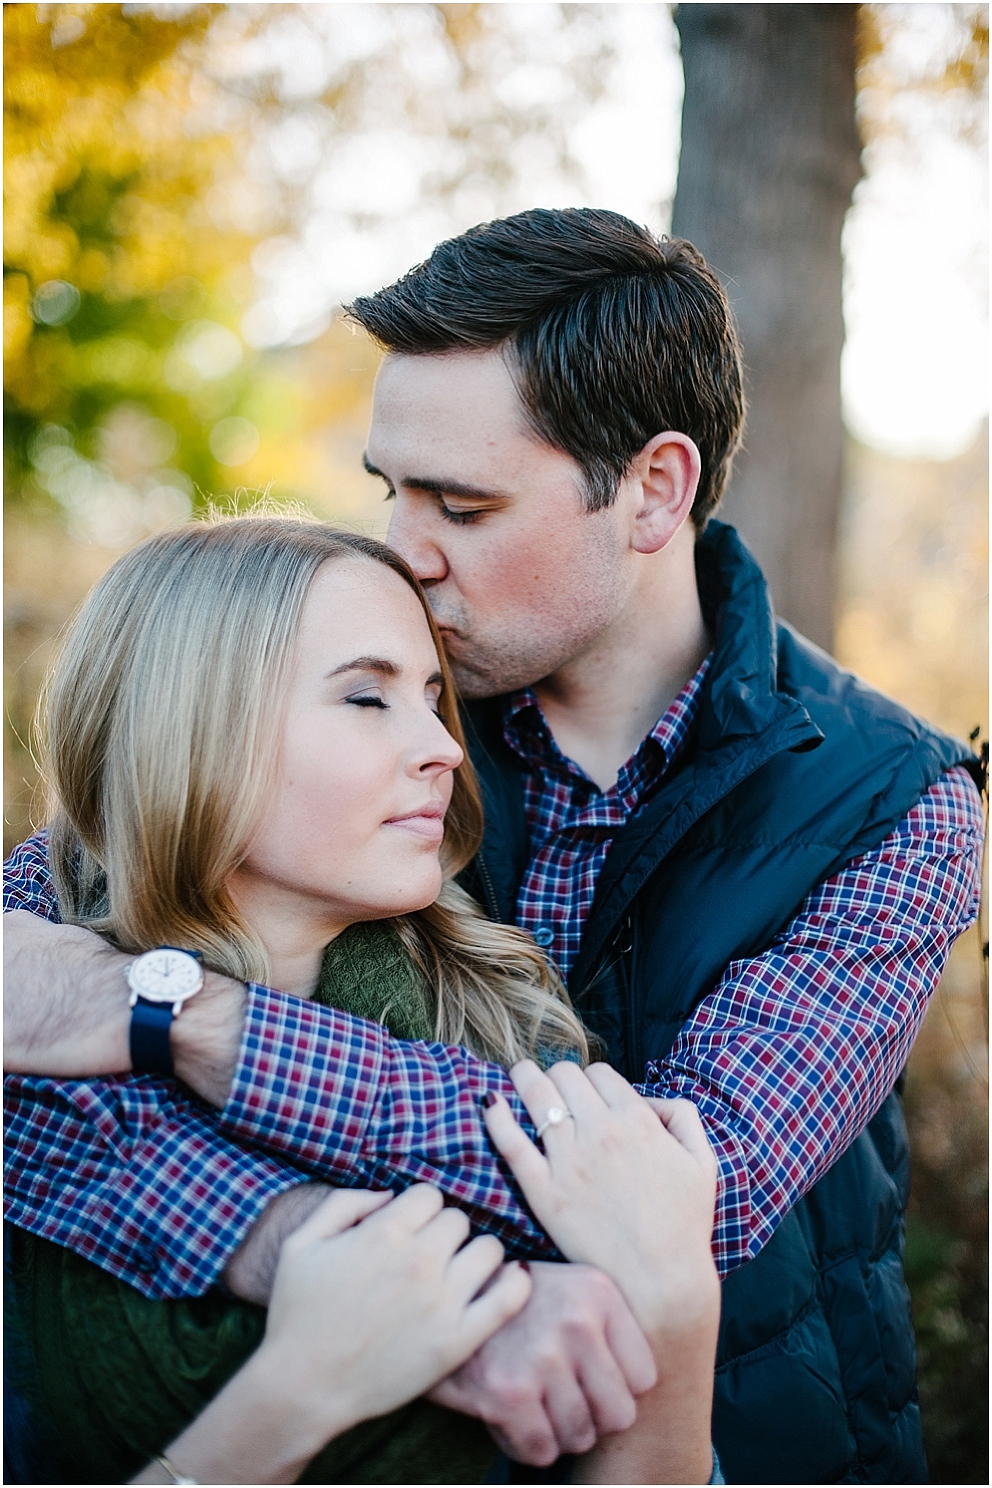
(426, 822)
(449, 635)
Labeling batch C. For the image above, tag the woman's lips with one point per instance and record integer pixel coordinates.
(427, 823)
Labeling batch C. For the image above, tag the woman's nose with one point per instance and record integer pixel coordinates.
(441, 751)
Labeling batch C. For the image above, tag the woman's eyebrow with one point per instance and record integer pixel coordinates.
(384, 667)
(379, 664)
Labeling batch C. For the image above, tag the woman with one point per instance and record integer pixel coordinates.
(253, 744)
(254, 754)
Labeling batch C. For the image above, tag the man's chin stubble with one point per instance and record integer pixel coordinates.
(492, 677)
(474, 686)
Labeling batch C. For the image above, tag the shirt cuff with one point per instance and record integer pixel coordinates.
(307, 1082)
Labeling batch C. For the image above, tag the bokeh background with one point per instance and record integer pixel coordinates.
(193, 191)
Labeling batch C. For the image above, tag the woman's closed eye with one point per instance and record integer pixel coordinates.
(367, 700)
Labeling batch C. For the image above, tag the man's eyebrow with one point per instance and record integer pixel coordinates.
(451, 488)
(436, 486)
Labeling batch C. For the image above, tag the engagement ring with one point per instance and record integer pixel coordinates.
(555, 1117)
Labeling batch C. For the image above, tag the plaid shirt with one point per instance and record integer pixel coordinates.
(572, 823)
(787, 1060)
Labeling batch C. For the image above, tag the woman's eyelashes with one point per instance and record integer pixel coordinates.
(367, 700)
(372, 700)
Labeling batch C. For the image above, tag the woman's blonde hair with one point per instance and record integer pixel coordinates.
(161, 724)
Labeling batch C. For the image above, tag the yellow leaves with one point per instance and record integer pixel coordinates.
(91, 270)
(927, 54)
(16, 316)
(116, 134)
(85, 45)
(109, 103)
(121, 361)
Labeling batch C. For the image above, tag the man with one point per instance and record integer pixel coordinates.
(749, 867)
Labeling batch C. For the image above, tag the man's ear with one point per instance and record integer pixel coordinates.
(667, 472)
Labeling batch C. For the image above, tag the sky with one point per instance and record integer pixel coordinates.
(367, 203)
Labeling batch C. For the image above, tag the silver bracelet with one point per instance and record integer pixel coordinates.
(177, 1477)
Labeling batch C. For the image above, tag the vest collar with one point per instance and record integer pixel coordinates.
(741, 698)
(743, 721)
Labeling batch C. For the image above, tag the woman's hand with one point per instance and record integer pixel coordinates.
(376, 1313)
(629, 1186)
(375, 1300)
(624, 1184)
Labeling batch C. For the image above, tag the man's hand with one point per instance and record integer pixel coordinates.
(560, 1374)
(66, 1013)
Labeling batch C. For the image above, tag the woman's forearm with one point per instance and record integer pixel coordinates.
(670, 1441)
(251, 1433)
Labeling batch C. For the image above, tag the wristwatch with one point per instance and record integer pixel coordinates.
(161, 982)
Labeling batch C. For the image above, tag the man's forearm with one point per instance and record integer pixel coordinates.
(794, 1051)
(333, 1095)
(251, 1270)
(65, 1000)
(67, 1014)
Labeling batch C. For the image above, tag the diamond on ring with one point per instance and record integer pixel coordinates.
(555, 1117)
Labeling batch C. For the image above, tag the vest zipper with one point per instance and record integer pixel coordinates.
(626, 949)
(487, 885)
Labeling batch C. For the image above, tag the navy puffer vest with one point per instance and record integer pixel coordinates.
(797, 769)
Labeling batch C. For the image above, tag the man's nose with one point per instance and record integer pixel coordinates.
(409, 536)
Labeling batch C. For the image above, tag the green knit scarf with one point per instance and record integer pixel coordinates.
(115, 1376)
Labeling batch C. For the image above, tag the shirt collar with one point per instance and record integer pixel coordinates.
(527, 733)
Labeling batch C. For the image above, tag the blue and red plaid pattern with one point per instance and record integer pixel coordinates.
(793, 1052)
(787, 1060)
(571, 823)
(375, 1111)
(134, 1175)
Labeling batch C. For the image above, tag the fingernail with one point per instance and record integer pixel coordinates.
(489, 1099)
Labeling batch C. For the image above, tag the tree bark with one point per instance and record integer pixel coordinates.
(770, 156)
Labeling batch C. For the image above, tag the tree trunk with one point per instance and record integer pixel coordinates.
(770, 156)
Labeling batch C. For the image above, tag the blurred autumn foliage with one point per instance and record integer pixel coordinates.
(144, 232)
(119, 359)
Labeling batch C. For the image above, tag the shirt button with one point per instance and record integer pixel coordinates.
(544, 936)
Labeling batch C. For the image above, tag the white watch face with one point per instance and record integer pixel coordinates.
(165, 976)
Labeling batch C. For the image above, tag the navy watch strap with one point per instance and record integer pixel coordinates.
(151, 1049)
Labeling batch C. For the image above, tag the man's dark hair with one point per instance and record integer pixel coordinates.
(615, 336)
